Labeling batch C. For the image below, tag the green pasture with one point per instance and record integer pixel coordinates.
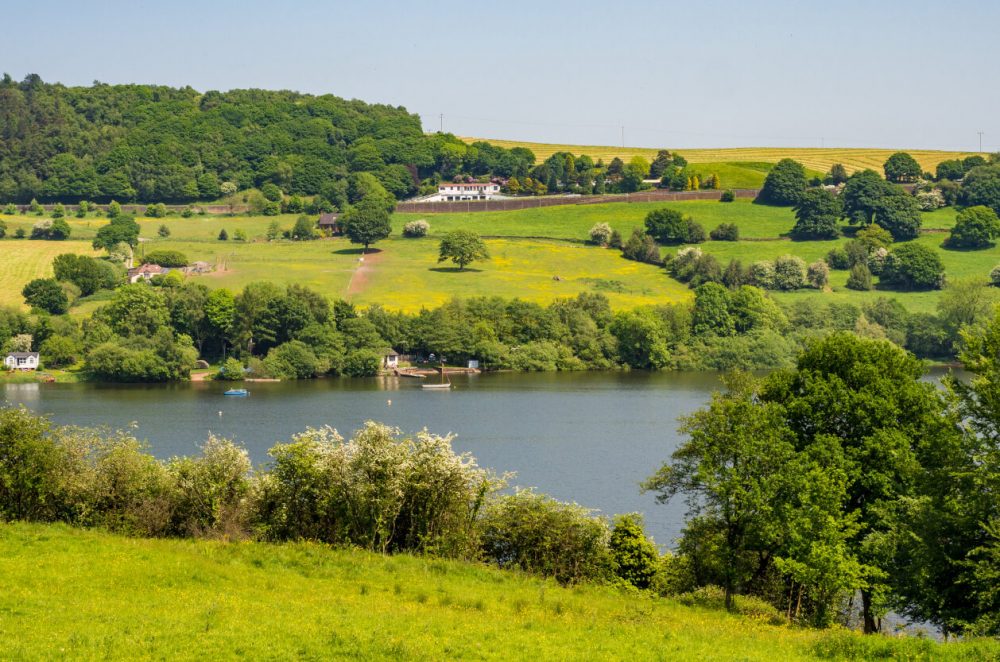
(76, 594)
(538, 255)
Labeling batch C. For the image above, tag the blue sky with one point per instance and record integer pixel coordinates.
(674, 74)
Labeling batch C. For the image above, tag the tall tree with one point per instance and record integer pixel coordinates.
(784, 184)
(367, 222)
(462, 247)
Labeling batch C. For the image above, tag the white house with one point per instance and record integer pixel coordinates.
(146, 272)
(450, 191)
(21, 361)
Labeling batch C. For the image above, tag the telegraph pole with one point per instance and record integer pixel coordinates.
(623, 136)
(980, 141)
(441, 119)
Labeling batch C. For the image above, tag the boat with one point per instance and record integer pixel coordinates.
(444, 384)
(238, 392)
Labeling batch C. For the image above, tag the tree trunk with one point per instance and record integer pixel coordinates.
(871, 624)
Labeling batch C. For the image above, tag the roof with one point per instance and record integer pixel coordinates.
(23, 355)
(328, 219)
(390, 352)
(147, 269)
(474, 184)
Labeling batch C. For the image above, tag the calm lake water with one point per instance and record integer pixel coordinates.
(584, 437)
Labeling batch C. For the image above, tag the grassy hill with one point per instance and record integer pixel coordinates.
(538, 254)
(818, 159)
(69, 593)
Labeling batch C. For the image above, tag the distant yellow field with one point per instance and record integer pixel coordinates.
(814, 158)
(23, 261)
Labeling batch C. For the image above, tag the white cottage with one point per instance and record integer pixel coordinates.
(453, 192)
(21, 361)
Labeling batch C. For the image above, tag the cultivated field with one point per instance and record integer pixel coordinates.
(818, 159)
(23, 261)
(538, 255)
(75, 594)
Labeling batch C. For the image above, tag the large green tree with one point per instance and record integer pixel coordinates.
(367, 222)
(975, 227)
(817, 213)
(784, 184)
(866, 400)
(901, 167)
(462, 247)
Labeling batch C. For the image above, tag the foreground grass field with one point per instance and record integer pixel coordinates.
(538, 255)
(815, 158)
(74, 594)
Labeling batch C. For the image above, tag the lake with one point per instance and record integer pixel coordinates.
(586, 437)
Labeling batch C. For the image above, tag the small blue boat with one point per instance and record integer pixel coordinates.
(238, 392)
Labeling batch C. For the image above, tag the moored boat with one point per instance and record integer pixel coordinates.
(238, 392)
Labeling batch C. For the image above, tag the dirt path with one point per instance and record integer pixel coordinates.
(359, 279)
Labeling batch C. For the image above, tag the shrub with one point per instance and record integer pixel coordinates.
(600, 234)
(31, 467)
(163, 231)
(418, 228)
(19, 233)
(187, 212)
(930, 200)
(727, 196)
(975, 227)
(540, 535)
(762, 274)
(817, 214)
(789, 272)
(616, 239)
(818, 274)
(713, 597)
(860, 278)
(995, 276)
(641, 248)
(876, 261)
(667, 226)
(240, 235)
(634, 557)
(166, 258)
(223, 235)
(837, 258)
(725, 232)
(158, 210)
(293, 360)
(231, 370)
(913, 267)
(362, 363)
(60, 351)
(695, 234)
(210, 492)
(304, 229)
(53, 230)
(3, 229)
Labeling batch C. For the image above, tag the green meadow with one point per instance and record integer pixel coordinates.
(76, 594)
(537, 254)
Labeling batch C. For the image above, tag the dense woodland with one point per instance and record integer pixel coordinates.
(160, 144)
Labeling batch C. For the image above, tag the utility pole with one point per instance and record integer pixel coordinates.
(980, 141)
(623, 136)
(441, 119)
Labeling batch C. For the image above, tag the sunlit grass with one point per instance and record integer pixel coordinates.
(74, 594)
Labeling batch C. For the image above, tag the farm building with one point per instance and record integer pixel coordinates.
(451, 192)
(146, 272)
(328, 223)
(21, 361)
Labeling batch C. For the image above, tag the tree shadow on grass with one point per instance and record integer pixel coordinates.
(455, 270)
(357, 251)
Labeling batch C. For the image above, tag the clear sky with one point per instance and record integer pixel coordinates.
(705, 73)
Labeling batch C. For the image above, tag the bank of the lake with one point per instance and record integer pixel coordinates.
(586, 437)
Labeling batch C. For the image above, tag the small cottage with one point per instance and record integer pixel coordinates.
(145, 272)
(21, 361)
(390, 360)
(328, 223)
